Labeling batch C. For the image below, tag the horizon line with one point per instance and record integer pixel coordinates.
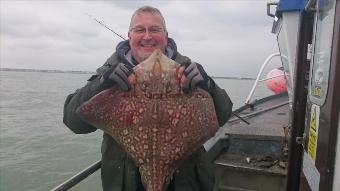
(91, 72)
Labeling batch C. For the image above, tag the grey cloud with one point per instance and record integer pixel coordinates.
(225, 36)
(132, 5)
(242, 13)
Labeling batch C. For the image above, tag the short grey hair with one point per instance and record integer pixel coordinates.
(147, 9)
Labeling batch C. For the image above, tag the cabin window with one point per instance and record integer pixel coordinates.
(322, 51)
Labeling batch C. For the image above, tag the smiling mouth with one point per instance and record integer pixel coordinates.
(148, 45)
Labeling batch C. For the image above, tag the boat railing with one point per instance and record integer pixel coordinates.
(78, 177)
(269, 58)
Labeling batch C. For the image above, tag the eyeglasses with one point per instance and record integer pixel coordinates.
(151, 30)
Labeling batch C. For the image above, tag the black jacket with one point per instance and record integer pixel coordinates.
(118, 171)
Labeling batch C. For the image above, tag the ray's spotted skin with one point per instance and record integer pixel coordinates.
(155, 122)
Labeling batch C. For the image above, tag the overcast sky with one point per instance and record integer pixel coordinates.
(229, 38)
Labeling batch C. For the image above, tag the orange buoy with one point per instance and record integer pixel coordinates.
(276, 81)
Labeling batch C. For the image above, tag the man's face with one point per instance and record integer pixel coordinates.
(147, 34)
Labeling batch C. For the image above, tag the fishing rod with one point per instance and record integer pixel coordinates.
(101, 23)
(241, 118)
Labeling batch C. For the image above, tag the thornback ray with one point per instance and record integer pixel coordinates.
(155, 122)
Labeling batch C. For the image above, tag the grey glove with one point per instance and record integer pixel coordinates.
(117, 74)
(195, 77)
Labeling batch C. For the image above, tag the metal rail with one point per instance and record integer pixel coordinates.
(258, 76)
(78, 177)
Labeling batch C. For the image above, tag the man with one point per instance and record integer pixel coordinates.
(147, 33)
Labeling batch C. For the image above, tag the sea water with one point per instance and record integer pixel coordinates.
(37, 151)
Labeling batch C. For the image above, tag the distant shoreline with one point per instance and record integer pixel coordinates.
(88, 72)
(47, 71)
(234, 78)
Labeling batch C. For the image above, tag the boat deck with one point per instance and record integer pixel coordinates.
(267, 119)
(253, 156)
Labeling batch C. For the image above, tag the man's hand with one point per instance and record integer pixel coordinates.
(118, 75)
(192, 75)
